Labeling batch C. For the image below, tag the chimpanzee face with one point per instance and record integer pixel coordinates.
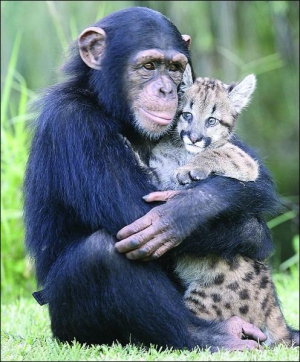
(150, 80)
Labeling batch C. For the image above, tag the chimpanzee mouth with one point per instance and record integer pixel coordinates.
(162, 120)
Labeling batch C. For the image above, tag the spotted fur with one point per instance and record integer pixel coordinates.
(219, 289)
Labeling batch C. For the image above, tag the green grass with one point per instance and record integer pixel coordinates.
(26, 336)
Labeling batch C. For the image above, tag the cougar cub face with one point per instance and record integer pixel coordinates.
(209, 111)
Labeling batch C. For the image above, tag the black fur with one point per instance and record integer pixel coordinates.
(83, 184)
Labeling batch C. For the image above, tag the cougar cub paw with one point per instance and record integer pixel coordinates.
(183, 176)
(198, 174)
(186, 175)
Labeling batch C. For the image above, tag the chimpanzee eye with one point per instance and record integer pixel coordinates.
(149, 66)
(187, 116)
(174, 67)
(211, 121)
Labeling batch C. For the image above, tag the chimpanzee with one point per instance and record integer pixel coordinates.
(103, 255)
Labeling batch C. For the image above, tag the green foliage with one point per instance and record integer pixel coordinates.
(292, 263)
(14, 141)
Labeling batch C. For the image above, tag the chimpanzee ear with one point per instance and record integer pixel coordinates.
(187, 39)
(92, 43)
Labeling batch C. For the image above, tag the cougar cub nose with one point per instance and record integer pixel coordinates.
(194, 137)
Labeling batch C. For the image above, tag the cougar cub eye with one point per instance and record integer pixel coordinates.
(187, 116)
(211, 121)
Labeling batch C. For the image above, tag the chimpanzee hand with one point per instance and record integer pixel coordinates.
(234, 333)
(161, 229)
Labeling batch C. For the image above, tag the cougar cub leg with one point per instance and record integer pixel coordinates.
(227, 160)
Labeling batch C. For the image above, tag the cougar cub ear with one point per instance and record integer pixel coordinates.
(240, 93)
(187, 77)
(187, 81)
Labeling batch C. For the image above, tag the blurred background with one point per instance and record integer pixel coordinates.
(230, 39)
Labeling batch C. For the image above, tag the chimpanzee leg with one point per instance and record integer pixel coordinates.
(97, 295)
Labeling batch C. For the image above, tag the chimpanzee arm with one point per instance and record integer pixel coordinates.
(80, 177)
(190, 213)
(88, 165)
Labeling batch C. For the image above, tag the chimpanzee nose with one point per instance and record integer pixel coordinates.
(194, 137)
(166, 87)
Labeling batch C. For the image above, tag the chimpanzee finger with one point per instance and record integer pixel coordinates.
(137, 226)
(146, 251)
(160, 195)
(163, 249)
(253, 332)
(237, 345)
(236, 326)
(136, 241)
(247, 344)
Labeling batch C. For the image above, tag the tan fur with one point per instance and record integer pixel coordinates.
(211, 98)
(179, 159)
(219, 289)
(227, 160)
